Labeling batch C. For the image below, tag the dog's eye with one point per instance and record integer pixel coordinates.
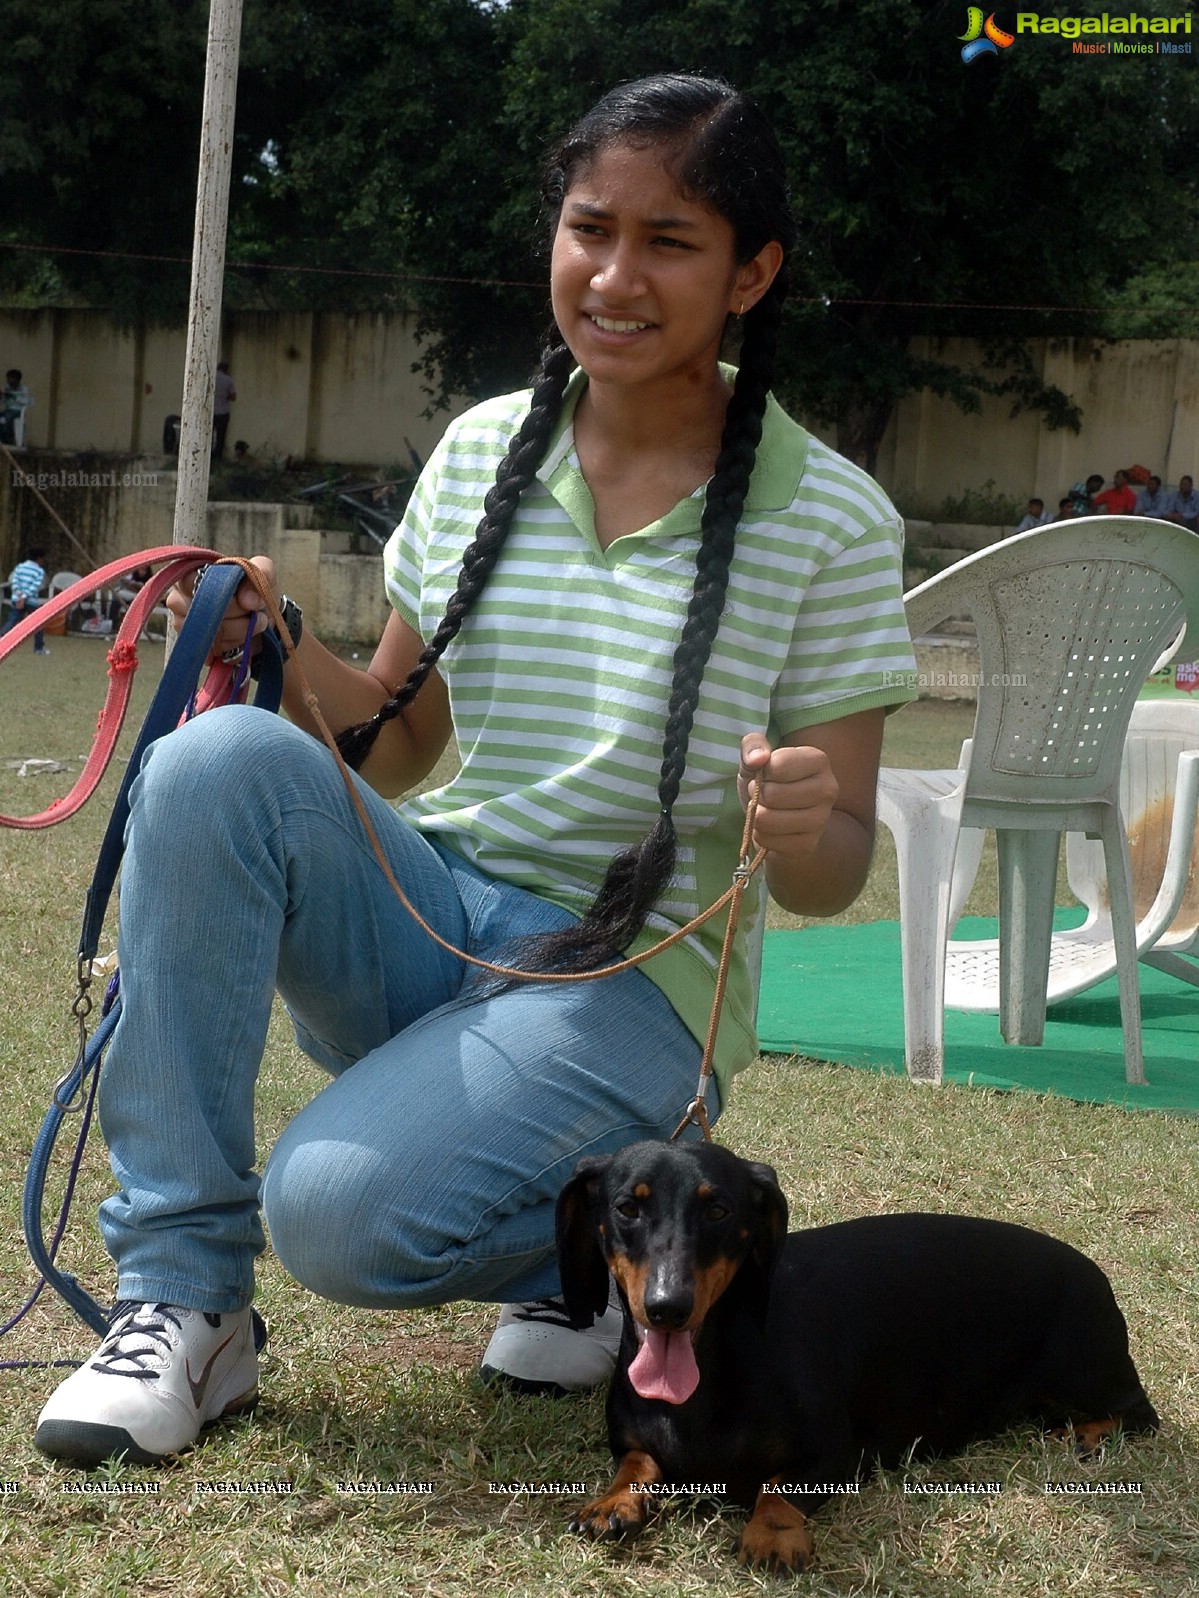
(717, 1212)
(629, 1210)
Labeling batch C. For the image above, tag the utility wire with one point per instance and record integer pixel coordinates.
(524, 283)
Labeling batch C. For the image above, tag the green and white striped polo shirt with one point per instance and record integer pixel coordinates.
(560, 676)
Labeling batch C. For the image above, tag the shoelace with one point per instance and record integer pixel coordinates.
(552, 1312)
(547, 1311)
(151, 1326)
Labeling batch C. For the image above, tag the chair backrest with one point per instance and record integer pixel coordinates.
(62, 580)
(1071, 619)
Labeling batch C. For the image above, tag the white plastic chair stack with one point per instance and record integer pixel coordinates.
(1159, 801)
(1159, 798)
(1070, 618)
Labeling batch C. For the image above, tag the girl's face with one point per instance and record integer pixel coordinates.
(642, 279)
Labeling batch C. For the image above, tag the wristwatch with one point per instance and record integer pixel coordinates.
(293, 618)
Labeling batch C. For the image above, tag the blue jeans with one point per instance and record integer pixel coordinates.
(16, 616)
(427, 1169)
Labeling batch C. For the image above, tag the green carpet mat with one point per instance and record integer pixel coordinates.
(834, 993)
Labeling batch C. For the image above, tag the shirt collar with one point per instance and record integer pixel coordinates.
(778, 465)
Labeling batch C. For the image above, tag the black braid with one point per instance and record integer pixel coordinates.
(513, 475)
(636, 878)
(721, 151)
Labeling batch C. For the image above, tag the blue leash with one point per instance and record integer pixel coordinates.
(76, 1092)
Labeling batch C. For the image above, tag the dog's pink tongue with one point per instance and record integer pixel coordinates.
(665, 1367)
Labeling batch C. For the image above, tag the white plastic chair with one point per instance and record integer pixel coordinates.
(1159, 797)
(94, 606)
(1159, 801)
(1071, 618)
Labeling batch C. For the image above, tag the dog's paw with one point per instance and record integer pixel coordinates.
(623, 1510)
(1088, 1437)
(619, 1514)
(777, 1539)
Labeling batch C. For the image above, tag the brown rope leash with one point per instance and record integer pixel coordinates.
(697, 1110)
(749, 863)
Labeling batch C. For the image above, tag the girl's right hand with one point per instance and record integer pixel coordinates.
(246, 602)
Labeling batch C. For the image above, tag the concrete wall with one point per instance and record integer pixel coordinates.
(1140, 404)
(341, 592)
(340, 387)
(311, 385)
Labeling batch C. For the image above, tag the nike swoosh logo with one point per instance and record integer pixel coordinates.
(199, 1388)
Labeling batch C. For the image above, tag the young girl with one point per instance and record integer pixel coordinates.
(672, 589)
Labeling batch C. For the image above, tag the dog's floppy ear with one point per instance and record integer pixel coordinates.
(581, 1264)
(770, 1230)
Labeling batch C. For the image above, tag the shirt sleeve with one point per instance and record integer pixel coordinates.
(850, 648)
(404, 554)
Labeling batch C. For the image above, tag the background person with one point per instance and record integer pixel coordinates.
(1153, 500)
(224, 394)
(1184, 504)
(25, 584)
(1118, 500)
(1082, 495)
(1035, 516)
(126, 592)
(14, 402)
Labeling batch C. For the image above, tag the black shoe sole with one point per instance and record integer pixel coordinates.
(83, 1443)
(80, 1442)
(521, 1384)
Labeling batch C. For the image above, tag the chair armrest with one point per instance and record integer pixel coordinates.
(935, 599)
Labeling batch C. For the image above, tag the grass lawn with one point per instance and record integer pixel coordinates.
(352, 1397)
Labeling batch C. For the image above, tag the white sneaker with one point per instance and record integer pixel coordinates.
(537, 1348)
(160, 1376)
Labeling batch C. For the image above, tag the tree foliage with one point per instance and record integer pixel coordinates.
(388, 151)
(384, 173)
(99, 133)
(931, 194)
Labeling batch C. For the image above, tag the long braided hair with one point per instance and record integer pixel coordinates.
(723, 154)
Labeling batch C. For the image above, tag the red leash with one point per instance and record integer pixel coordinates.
(219, 686)
(178, 561)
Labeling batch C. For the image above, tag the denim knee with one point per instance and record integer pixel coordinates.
(212, 757)
(231, 774)
(341, 1237)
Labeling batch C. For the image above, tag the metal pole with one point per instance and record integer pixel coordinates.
(208, 267)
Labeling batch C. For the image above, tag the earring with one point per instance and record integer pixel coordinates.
(741, 312)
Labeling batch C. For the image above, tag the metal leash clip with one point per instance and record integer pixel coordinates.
(81, 1008)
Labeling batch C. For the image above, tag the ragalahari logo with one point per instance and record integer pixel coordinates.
(983, 38)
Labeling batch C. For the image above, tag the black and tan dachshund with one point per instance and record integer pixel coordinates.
(769, 1368)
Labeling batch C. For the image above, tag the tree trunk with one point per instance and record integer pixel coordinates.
(861, 424)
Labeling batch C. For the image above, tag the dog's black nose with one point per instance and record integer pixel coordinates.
(668, 1311)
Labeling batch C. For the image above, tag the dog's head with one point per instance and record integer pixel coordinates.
(676, 1224)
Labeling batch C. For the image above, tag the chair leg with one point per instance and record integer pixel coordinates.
(1124, 940)
(1174, 965)
(965, 869)
(924, 921)
(1027, 883)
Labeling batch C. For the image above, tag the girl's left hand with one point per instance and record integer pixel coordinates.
(245, 603)
(799, 793)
